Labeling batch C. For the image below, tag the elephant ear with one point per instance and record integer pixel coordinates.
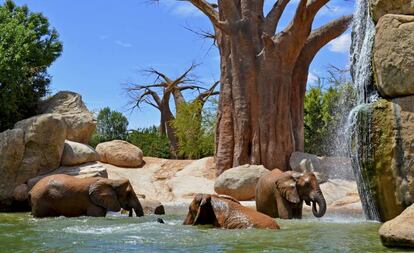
(205, 214)
(286, 185)
(102, 194)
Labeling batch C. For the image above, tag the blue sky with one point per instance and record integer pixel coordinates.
(107, 43)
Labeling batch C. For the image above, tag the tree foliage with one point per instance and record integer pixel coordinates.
(28, 46)
(150, 141)
(111, 125)
(194, 130)
(326, 114)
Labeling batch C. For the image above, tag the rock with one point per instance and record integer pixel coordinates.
(381, 7)
(240, 182)
(169, 180)
(33, 147)
(44, 137)
(79, 120)
(394, 56)
(337, 189)
(21, 192)
(120, 153)
(399, 231)
(75, 153)
(94, 169)
(152, 207)
(11, 155)
(383, 151)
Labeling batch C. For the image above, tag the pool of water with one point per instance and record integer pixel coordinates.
(22, 233)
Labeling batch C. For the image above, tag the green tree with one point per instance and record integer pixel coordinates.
(326, 113)
(111, 125)
(28, 46)
(195, 133)
(151, 142)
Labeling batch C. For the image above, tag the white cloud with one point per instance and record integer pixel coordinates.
(341, 44)
(312, 78)
(123, 44)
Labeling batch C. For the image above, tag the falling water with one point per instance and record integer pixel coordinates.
(361, 51)
(361, 61)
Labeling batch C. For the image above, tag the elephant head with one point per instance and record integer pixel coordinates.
(114, 195)
(207, 209)
(296, 187)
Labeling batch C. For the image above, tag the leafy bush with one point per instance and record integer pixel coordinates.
(195, 133)
(27, 48)
(150, 141)
(326, 113)
(111, 125)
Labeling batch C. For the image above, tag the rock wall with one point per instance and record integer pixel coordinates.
(35, 146)
(382, 143)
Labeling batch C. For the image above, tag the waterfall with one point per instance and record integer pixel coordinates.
(363, 36)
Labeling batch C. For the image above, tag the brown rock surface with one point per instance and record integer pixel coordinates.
(394, 55)
(120, 153)
(240, 182)
(381, 7)
(79, 120)
(169, 180)
(75, 153)
(399, 232)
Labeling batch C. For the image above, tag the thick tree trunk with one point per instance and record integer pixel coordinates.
(263, 78)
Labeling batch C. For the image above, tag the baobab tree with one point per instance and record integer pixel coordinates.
(159, 93)
(263, 77)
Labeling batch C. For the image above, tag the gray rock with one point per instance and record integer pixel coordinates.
(394, 56)
(75, 153)
(381, 7)
(79, 120)
(399, 231)
(240, 182)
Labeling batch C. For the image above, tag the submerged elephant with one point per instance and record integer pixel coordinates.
(281, 194)
(69, 196)
(225, 212)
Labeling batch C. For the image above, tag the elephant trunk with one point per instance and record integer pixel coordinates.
(320, 201)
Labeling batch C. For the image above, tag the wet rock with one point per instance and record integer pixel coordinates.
(240, 182)
(79, 120)
(120, 153)
(381, 7)
(75, 153)
(394, 55)
(383, 151)
(399, 231)
(152, 207)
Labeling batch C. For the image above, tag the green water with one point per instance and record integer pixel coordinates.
(22, 233)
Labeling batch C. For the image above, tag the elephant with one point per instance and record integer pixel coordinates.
(63, 195)
(281, 194)
(225, 212)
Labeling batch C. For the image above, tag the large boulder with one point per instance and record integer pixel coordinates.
(399, 231)
(394, 55)
(383, 155)
(381, 7)
(75, 153)
(120, 153)
(240, 182)
(11, 155)
(79, 120)
(33, 147)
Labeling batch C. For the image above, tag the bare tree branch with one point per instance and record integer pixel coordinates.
(274, 15)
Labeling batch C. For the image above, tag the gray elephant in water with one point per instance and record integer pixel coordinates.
(281, 194)
(69, 196)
